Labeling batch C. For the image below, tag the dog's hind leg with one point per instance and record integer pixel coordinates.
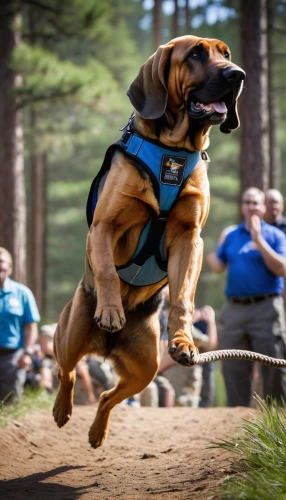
(136, 363)
(70, 337)
(133, 379)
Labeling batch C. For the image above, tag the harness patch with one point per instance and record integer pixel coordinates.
(172, 170)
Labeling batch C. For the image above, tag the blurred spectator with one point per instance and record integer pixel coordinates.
(160, 392)
(48, 367)
(93, 374)
(18, 331)
(204, 320)
(101, 373)
(43, 369)
(82, 371)
(187, 382)
(274, 203)
(274, 208)
(177, 384)
(253, 319)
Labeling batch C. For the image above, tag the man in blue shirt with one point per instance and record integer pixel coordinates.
(254, 254)
(18, 331)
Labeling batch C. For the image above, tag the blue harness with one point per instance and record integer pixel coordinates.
(168, 169)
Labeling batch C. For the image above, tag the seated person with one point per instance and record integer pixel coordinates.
(101, 373)
(46, 365)
(43, 370)
(204, 320)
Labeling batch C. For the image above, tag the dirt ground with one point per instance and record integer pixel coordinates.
(157, 452)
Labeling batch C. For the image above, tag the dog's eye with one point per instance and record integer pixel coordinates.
(226, 54)
(194, 53)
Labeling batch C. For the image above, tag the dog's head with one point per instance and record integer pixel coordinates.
(190, 75)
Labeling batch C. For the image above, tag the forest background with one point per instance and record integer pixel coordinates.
(65, 70)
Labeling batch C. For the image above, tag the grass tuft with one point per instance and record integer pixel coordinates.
(260, 463)
(32, 399)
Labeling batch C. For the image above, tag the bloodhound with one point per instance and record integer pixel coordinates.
(183, 89)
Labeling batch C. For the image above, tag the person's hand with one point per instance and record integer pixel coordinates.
(255, 229)
(25, 361)
(206, 314)
(224, 234)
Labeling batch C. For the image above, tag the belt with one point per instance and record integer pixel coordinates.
(251, 300)
(5, 350)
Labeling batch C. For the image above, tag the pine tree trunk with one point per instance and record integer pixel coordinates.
(38, 200)
(37, 224)
(187, 18)
(254, 158)
(12, 192)
(275, 158)
(157, 23)
(175, 20)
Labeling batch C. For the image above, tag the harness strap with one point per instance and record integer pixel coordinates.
(92, 197)
(131, 144)
(152, 244)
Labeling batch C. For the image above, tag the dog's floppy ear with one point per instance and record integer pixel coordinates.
(148, 92)
(232, 119)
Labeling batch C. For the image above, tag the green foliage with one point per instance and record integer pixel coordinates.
(77, 64)
(69, 18)
(32, 399)
(47, 77)
(260, 450)
(220, 394)
(77, 59)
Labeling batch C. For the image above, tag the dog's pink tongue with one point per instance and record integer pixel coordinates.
(220, 107)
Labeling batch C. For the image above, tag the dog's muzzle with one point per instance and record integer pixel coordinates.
(213, 100)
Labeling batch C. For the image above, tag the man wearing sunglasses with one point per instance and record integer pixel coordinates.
(253, 318)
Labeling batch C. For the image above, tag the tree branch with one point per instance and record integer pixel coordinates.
(39, 5)
(60, 29)
(277, 29)
(47, 97)
(278, 54)
(39, 36)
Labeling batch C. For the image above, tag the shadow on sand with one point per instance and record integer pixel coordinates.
(34, 486)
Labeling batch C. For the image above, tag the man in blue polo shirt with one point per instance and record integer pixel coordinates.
(18, 331)
(254, 254)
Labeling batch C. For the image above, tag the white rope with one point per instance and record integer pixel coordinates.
(206, 357)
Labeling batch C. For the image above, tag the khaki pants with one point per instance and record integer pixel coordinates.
(187, 383)
(257, 327)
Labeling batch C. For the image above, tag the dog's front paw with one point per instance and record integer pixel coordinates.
(183, 351)
(110, 318)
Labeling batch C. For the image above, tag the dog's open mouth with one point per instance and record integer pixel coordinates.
(215, 110)
(212, 107)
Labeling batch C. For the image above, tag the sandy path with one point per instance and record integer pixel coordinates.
(150, 452)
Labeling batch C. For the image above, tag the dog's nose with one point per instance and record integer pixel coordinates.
(233, 75)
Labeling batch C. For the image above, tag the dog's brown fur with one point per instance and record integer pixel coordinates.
(102, 302)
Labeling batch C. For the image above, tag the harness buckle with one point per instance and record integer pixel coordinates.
(125, 137)
(127, 127)
(205, 156)
(163, 215)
